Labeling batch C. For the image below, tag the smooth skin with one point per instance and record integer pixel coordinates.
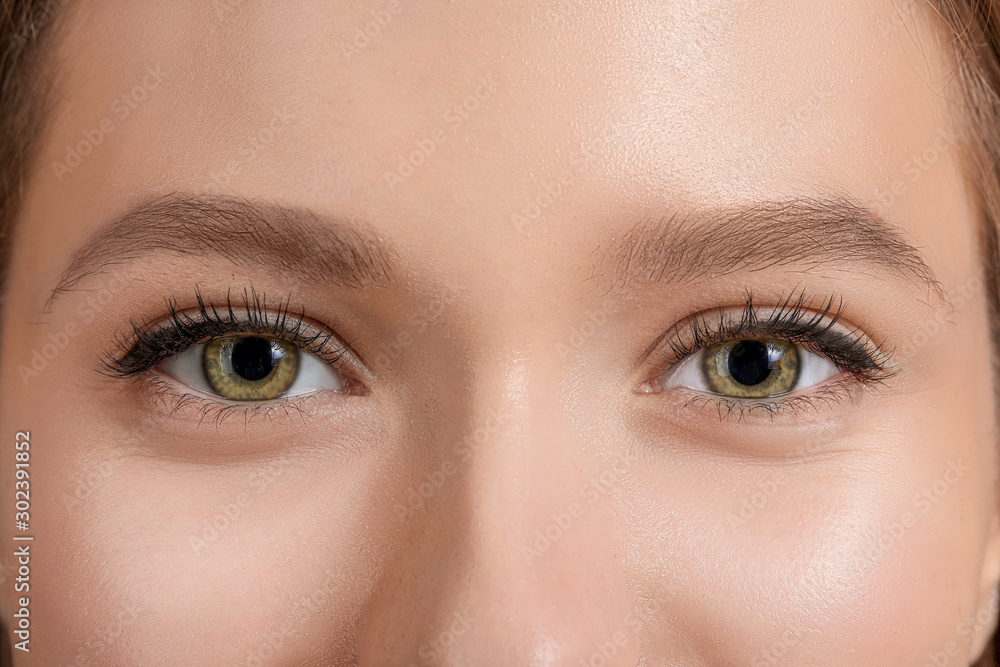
(501, 492)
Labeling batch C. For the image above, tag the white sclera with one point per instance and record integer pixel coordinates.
(813, 370)
(313, 374)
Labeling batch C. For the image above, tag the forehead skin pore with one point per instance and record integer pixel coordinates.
(502, 151)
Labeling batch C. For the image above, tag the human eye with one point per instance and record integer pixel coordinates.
(234, 354)
(767, 360)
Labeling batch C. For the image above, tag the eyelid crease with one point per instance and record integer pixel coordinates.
(151, 343)
(794, 319)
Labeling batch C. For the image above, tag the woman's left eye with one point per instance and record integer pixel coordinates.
(750, 368)
(251, 368)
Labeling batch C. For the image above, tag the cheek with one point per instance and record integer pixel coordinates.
(865, 552)
(158, 557)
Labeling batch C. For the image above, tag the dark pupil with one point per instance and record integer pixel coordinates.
(749, 362)
(254, 358)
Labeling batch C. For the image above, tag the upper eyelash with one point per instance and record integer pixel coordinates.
(150, 343)
(795, 320)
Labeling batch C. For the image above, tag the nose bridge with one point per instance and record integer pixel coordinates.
(532, 575)
(524, 485)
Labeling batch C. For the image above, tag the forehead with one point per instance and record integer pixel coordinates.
(430, 115)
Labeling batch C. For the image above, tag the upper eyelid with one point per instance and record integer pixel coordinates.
(792, 318)
(799, 315)
(230, 320)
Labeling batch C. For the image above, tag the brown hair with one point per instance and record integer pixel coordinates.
(27, 27)
(975, 42)
(24, 32)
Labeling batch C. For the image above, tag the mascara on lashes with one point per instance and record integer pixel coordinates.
(149, 343)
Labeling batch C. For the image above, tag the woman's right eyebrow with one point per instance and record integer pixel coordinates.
(292, 241)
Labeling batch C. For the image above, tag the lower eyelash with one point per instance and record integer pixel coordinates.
(831, 393)
(219, 411)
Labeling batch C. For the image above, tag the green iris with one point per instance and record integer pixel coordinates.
(750, 368)
(250, 368)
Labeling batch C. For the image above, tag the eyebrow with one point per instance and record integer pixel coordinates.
(804, 234)
(296, 242)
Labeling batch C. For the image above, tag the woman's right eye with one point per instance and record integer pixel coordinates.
(252, 368)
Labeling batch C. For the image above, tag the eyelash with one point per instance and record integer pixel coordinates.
(796, 320)
(149, 344)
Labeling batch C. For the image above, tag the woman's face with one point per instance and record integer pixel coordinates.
(667, 326)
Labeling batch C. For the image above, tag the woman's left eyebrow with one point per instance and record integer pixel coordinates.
(328, 250)
(797, 233)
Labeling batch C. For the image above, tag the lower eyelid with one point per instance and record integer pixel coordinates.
(826, 394)
(196, 407)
